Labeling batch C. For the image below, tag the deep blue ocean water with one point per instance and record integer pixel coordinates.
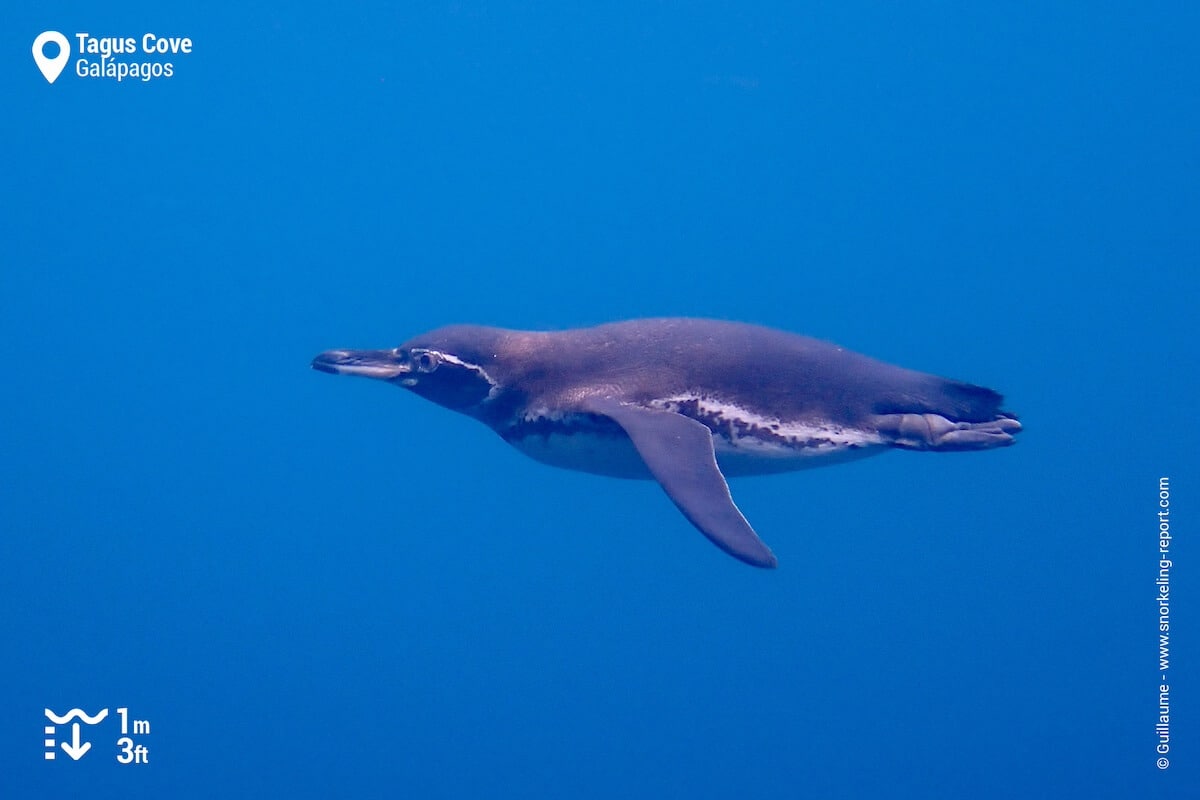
(320, 587)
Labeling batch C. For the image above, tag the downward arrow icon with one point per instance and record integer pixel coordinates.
(75, 750)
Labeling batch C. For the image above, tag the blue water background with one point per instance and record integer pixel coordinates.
(324, 587)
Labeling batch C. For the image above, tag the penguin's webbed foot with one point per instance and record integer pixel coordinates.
(935, 432)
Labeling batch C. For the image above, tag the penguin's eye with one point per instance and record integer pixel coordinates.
(426, 361)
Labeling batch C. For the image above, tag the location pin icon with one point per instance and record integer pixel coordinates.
(51, 67)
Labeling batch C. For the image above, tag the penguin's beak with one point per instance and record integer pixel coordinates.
(382, 365)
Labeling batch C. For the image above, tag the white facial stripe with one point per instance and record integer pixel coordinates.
(452, 359)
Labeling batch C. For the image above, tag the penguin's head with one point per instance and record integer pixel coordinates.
(448, 366)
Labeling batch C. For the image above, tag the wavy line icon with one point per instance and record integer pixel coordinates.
(76, 712)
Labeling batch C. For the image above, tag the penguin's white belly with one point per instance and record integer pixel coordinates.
(585, 451)
(744, 443)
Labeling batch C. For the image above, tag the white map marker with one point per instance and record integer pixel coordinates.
(51, 67)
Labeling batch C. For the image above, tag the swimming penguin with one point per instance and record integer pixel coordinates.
(685, 402)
